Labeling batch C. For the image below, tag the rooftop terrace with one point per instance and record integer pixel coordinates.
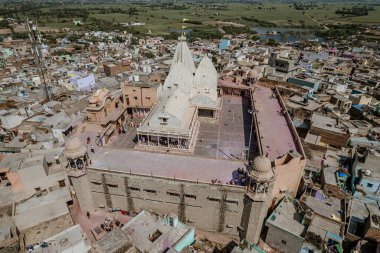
(165, 165)
(276, 131)
(285, 216)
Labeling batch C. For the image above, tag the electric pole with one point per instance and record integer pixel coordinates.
(35, 39)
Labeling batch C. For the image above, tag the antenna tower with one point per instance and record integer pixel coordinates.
(35, 39)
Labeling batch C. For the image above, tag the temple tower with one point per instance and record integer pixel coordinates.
(257, 199)
(76, 153)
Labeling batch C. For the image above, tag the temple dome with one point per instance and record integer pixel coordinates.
(253, 73)
(74, 148)
(99, 96)
(262, 168)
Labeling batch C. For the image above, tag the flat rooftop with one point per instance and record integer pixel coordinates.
(327, 123)
(145, 225)
(114, 241)
(324, 206)
(165, 165)
(275, 132)
(286, 217)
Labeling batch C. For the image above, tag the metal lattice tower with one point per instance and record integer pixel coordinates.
(35, 39)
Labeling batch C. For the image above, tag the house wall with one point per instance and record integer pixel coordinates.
(135, 96)
(45, 230)
(186, 241)
(331, 138)
(361, 100)
(100, 115)
(217, 208)
(112, 70)
(371, 233)
(288, 176)
(277, 235)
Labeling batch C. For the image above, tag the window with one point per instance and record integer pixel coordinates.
(173, 194)
(190, 196)
(112, 185)
(230, 201)
(147, 98)
(135, 98)
(61, 183)
(150, 191)
(369, 185)
(133, 188)
(329, 192)
(214, 199)
(95, 183)
(283, 242)
(164, 121)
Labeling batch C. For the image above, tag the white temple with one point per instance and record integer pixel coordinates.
(186, 94)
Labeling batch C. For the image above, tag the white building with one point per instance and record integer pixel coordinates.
(82, 81)
(188, 92)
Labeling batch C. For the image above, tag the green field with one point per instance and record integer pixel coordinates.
(326, 14)
(160, 19)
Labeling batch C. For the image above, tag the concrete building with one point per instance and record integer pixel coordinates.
(280, 63)
(150, 233)
(341, 103)
(304, 81)
(327, 131)
(292, 227)
(81, 81)
(9, 240)
(107, 110)
(360, 99)
(11, 118)
(139, 97)
(34, 189)
(112, 69)
(365, 181)
(70, 240)
(115, 241)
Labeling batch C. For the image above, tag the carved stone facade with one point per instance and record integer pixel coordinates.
(220, 208)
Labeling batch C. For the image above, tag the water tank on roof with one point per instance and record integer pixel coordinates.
(136, 78)
(367, 173)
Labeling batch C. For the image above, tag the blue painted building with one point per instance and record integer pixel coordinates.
(365, 171)
(224, 44)
(305, 82)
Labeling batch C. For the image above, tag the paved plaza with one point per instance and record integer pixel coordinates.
(227, 138)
